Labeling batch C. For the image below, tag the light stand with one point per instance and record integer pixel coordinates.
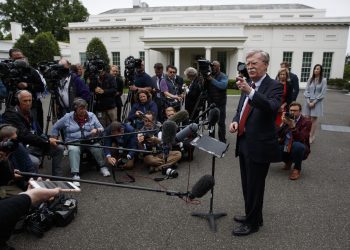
(216, 149)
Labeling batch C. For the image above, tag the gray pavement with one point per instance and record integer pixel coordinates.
(311, 213)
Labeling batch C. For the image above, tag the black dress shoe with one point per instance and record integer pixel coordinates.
(244, 230)
(242, 219)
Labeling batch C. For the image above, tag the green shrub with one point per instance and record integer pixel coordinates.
(337, 82)
(347, 85)
(232, 84)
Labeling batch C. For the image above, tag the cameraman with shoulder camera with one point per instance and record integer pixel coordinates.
(104, 86)
(70, 87)
(142, 81)
(217, 85)
(293, 137)
(31, 81)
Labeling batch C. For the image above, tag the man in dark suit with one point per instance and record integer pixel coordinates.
(257, 144)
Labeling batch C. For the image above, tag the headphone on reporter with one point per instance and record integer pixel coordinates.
(16, 99)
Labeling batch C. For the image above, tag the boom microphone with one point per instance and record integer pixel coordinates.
(213, 116)
(190, 131)
(180, 116)
(169, 132)
(202, 186)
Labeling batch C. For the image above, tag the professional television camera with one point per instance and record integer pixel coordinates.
(204, 67)
(14, 72)
(53, 73)
(94, 66)
(131, 65)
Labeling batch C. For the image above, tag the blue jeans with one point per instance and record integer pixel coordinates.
(295, 155)
(74, 156)
(21, 160)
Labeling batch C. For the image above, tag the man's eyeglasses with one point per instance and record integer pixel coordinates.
(172, 72)
(294, 110)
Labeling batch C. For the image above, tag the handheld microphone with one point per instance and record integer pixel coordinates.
(180, 116)
(190, 131)
(168, 137)
(202, 187)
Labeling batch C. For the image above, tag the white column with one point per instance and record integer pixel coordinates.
(240, 56)
(147, 66)
(177, 58)
(208, 53)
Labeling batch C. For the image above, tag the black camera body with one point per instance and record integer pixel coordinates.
(205, 67)
(94, 66)
(14, 72)
(242, 70)
(9, 145)
(289, 115)
(53, 73)
(131, 65)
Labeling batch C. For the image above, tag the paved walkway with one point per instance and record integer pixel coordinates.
(311, 213)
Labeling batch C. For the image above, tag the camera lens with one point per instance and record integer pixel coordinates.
(171, 173)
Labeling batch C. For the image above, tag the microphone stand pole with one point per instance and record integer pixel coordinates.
(51, 177)
(111, 136)
(209, 145)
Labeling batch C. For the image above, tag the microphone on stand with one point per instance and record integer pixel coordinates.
(213, 118)
(168, 137)
(190, 131)
(202, 187)
(180, 116)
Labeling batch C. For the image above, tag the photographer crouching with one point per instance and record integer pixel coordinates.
(293, 137)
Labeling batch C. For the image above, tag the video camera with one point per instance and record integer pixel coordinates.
(94, 66)
(53, 73)
(205, 67)
(131, 65)
(9, 145)
(242, 70)
(14, 72)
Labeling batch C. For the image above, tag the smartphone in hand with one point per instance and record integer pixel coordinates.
(65, 186)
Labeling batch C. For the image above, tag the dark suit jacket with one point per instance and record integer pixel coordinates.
(295, 85)
(260, 130)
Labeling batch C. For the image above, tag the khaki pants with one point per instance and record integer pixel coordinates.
(158, 162)
(8, 191)
(107, 116)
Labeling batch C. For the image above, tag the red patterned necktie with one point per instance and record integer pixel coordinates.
(244, 116)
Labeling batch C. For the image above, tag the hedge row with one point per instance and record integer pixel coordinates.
(339, 83)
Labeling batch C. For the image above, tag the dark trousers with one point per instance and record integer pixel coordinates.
(20, 160)
(221, 122)
(253, 175)
(296, 154)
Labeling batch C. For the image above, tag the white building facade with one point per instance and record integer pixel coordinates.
(181, 35)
